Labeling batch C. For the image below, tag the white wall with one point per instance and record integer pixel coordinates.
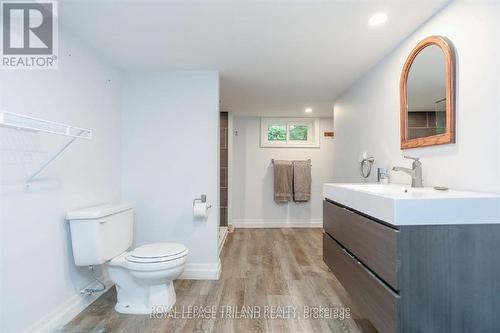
(38, 274)
(367, 114)
(253, 203)
(169, 157)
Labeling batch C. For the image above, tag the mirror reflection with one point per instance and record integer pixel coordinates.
(426, 94)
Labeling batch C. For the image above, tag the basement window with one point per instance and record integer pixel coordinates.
(289, 133)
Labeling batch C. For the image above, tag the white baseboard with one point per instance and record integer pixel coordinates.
(60, 316)
(277, 223)
(197, 271)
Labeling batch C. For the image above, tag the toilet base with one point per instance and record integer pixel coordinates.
(143, 299)
(144, 288)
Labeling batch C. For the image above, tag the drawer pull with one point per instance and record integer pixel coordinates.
(347, 210)
(350, 255)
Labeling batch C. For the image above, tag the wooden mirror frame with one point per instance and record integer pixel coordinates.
(449, 135)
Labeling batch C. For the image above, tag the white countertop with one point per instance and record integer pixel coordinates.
(402, 205)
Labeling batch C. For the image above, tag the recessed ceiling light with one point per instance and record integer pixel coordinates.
(377, 19)
(308, 110)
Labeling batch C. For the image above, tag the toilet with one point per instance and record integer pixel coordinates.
(143, 276)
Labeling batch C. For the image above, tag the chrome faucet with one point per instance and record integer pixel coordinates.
(415, 172)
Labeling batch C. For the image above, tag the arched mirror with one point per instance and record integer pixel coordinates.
(427, 92)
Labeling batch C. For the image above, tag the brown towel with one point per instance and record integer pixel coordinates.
(283, 178)
(301, 181)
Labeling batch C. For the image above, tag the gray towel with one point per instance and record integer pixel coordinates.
(283, 178)
(301, 181)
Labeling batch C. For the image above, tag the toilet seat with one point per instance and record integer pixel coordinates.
(157, 253)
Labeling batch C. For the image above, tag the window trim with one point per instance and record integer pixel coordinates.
(311, 123)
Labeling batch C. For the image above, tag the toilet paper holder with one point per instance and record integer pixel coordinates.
(202, 199)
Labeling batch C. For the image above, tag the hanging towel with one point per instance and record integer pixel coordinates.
(301, 181)
(283, 178)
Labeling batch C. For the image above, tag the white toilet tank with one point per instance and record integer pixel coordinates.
(100, 233)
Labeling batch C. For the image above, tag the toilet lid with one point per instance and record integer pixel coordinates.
(158, 250)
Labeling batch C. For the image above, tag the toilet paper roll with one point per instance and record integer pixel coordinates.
(200, 209)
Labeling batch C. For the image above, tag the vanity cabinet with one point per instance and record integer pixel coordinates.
(416, 278)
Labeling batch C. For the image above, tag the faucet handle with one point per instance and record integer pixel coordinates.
(411, 158)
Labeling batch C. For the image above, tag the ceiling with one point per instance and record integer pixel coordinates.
(274, 57)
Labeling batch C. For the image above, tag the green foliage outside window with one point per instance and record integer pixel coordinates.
(276, 133)
(298, 133)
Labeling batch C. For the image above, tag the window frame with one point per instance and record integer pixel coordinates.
(313, 132)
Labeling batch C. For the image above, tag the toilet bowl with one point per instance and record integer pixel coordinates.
(144, 277)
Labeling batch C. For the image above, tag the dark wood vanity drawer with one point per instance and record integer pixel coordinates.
(374, 299)
(371, 242)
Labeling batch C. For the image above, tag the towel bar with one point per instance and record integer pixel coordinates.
(309, 160)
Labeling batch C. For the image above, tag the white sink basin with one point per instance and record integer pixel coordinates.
(403, 205)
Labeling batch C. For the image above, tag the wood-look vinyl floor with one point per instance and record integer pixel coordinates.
(277, 268)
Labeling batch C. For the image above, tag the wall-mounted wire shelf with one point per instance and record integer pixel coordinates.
(21, 122)
(27, 123)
